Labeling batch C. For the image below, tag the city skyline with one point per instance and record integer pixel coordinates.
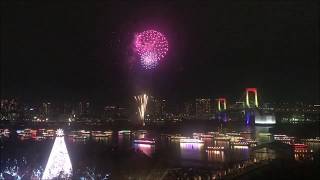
(159, 90)
(48, 56)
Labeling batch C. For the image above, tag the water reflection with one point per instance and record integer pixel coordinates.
(314, 146)
(140, 135)
(240, 153)
(264, 154)
(124, 139)
(105, 140)
(262, 134)
(147, 149)
(216, 156)
(78, 140)
(191, 151)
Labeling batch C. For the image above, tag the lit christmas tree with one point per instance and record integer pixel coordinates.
(59, 164)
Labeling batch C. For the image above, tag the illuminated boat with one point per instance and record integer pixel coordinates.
(215, 133)
(142, 131)
(45, 134)
(124, 132)
(252, 142)
(240, 143)
(5, 131)
(178, 137)
(108, 132)
(215, 148)
(188, 140)
(279, 136)
(196, 134)
(206, 136)
(80, 137)
(49, 133)
(72, 135)
(245, 133)
(26, 133)
(84, 132)
(233, 134)
(144, 141)
(40, 137)
(300, 148)
(316, 140)
(19, 132)
(222, 138)
(265, 134)
(284, 139)
(299, 145)
(101, 134)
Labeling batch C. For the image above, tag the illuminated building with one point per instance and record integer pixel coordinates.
(110, 113)
(59, 164)
(295, 118)
(265, 119)
(9, 110)
(189, 109)
(156, 109)
(80, 109)
(203, 107)
(46, 108)
(249, 102)
(87, 108)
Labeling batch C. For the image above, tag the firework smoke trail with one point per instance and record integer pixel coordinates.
(152, 46)
(142, 101)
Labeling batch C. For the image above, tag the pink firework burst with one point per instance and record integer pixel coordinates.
(152, 46)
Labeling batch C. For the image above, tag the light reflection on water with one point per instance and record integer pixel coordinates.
(262, 134)
(79, 140)
(147, 149)
(314, 146)
(216, 156)
(191, 151)
(140, 135)
(124, 139)
(106, 140)
(239, 153)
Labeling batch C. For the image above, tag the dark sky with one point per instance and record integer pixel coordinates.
(72, 51)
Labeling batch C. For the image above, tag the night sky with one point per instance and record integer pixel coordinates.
(70, 52)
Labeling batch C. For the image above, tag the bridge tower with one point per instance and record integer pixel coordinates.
(221, 104)
(249, 102)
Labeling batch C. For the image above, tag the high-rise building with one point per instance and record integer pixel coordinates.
(110, 113)
(87, 108)
(189, 109)
(80, 108)
(156, 107)
(83, 108)
(46, 108)
(203, 107)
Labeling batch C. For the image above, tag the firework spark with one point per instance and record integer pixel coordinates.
(142, 100)
(152, 46)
